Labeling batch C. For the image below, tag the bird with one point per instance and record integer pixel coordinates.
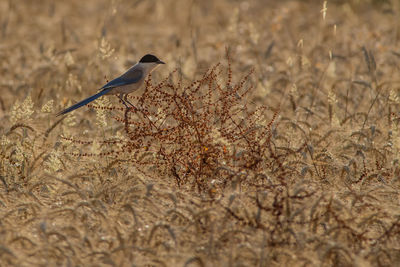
(123, 85)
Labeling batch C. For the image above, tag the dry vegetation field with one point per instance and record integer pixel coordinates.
(270, 138)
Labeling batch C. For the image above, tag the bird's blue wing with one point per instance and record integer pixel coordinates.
(129, 77)
(84, 102)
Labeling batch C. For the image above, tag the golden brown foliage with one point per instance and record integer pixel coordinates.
(283, 152)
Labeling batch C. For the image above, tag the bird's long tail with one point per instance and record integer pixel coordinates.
(84, 102)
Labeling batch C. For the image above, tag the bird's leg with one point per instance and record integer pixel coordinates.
(123, 101)
(127, 101)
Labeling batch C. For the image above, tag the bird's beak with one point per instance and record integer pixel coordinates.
(160, 62)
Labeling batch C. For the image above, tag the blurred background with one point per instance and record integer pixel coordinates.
(330, 69)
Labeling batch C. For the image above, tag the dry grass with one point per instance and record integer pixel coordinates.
(270, 138)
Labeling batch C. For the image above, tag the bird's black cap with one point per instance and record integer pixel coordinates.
(150, 59)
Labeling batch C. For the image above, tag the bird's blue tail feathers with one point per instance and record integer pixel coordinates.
(84, 102)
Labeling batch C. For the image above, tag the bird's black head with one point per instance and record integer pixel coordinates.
(150, 59)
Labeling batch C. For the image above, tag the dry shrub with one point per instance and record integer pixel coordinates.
(198, 132)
